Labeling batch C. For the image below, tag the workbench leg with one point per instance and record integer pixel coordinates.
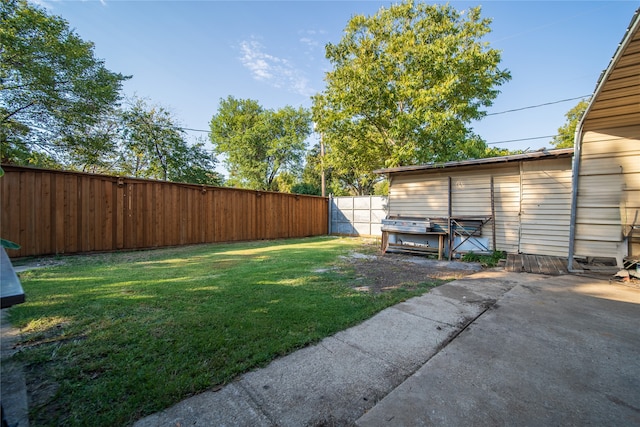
(440, 246)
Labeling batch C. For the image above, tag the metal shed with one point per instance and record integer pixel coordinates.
(525, 196)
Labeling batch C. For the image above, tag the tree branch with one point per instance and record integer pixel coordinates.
(8, 116)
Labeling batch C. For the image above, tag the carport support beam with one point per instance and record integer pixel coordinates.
(450, 213)
(493, 216)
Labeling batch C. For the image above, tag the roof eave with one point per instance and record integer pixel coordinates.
(536, 155)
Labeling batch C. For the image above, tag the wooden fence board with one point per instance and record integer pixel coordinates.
(106, 236)
(157, 206)
(70, 207)
(22, 204)
(46, 200)
(55, 212)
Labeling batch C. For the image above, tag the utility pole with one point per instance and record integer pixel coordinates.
(323, 183)
(322, 173)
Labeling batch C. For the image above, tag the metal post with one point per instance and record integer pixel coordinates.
(330, 214)
(449, 228)
(370, 214)
(493, 216)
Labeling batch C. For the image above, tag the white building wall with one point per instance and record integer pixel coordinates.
(608, 203)
(545, 207)
(531, 201)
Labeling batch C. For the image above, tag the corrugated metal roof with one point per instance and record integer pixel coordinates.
(616, 99)
(536, 155)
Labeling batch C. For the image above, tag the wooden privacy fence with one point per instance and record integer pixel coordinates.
(56, 212)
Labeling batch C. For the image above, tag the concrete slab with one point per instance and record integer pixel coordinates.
(231, 406)
(399, 338)
(557, 351)
(441, 309)
(484, 287)
(331, 383)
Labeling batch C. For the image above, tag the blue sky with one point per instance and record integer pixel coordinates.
(187, 55)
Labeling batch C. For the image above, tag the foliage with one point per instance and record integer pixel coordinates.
(486, 260)
(566, 133)
(306, 188)
(116, 347)
(154, 146)
(52, 88)
(311, 177)
(93, 148)
(151, 140)
(405, 85)
(194, 164)
(381, 188)
(259, 144)
(499, 152)
(338, 181)
(284, 182)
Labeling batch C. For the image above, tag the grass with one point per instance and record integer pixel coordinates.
(485, 260)
(111, 338)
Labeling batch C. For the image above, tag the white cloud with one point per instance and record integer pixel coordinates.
(314, 32)
(42, 3)
(278, 72)
(313, 43)
(309, 42)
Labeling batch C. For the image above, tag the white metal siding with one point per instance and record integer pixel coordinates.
(506, 188)
(471, 194)
(546, 201)
(531, 201)
(422, 195)
(608, 191)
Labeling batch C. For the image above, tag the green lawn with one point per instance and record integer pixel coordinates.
(111, 338)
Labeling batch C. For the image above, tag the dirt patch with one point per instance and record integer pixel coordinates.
(379, 273)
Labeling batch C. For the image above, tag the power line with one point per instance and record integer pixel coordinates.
(488, 143)
(536, 106)
(489, 114)
(196, 130)
(521, 139)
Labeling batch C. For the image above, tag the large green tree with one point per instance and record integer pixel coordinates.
(52, 88)
(311, 177)
(406, 83)
(566, 133)
(259, 144)
(92, 147)
(154, 146)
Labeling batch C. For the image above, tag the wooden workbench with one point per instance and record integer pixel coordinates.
(413, 248)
